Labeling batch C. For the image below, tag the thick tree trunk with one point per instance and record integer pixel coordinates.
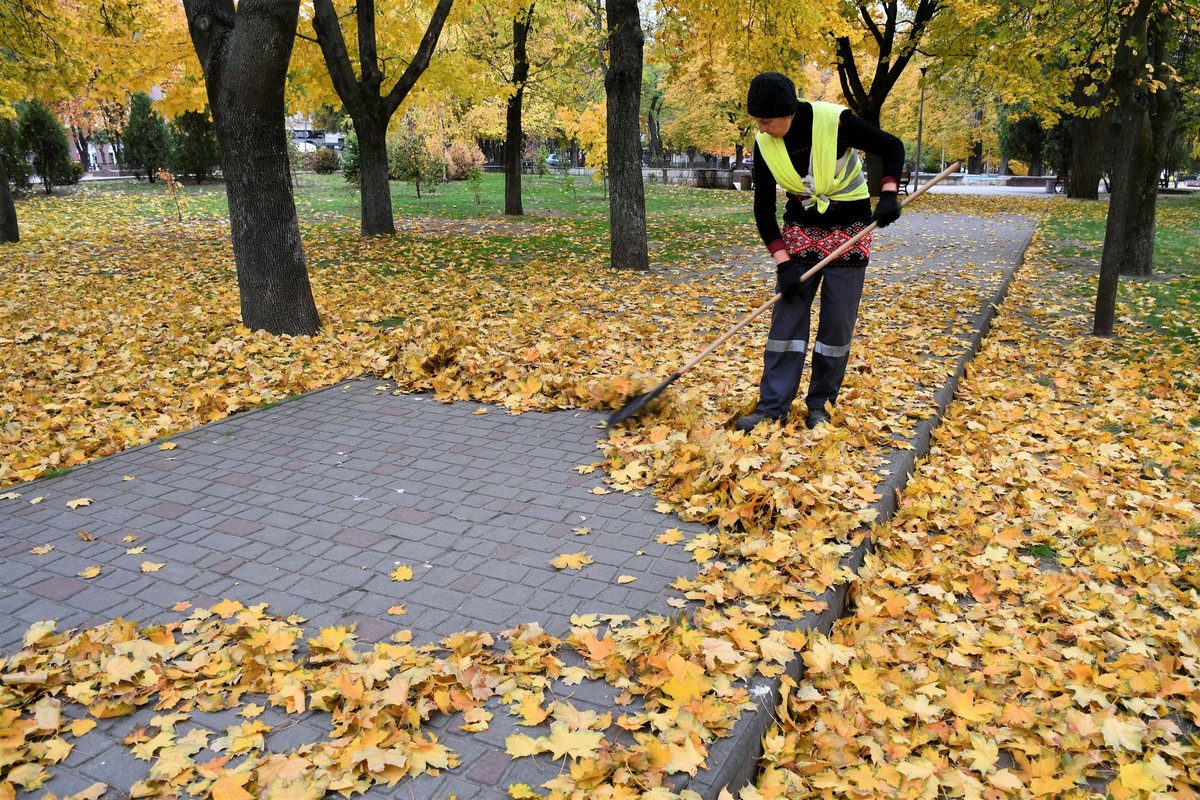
(513, 128)
(623, 86)
(9, 231)
(371, 110)
(375, 190)
(245, 54)
(1129, 236)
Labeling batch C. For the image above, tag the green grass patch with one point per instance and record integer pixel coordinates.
(1041, 551)
(1168, 301)
(564, 215)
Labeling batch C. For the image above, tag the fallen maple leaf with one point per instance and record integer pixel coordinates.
(402, 573)
(571, 560)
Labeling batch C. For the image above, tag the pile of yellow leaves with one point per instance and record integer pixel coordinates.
(1030, 623)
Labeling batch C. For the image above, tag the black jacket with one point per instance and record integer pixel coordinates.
(852, 132)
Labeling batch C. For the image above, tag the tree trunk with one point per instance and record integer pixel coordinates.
(370, 110)
(514, 130)
(895, 43)
(9, 231)
(654, 128)
(374, 187)
(244, 54)
(1088, 143)
(1129, 236)
(623, 87)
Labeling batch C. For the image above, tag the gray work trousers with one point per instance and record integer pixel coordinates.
(787, 343)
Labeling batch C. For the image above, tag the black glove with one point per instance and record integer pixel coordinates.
(887, 210)
(789, 273)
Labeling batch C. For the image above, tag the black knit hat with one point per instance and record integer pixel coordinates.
(771, 95)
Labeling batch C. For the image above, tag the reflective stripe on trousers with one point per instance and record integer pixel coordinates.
(787, 342)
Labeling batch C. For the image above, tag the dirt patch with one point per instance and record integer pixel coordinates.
(489, 226)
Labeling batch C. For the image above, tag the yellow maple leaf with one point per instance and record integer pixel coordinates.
(81, 726)
(167, 446)
(397, 610)
(964, 705)
(530, 709)
(522, 791)
(79, 501)
(687, 681)
(230, 787)
(1006, 779)
(623, 579)
(402, 572)
(227, 608)
(41, 550)
(152, 566)
(563, 741)
(90, 572)
(671, 536)
(1123, 734)
(983, 754)
(571, 560)
(518, 745)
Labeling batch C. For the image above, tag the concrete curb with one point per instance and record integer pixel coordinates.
(737, 757)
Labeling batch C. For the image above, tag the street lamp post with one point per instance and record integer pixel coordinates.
(916, 181)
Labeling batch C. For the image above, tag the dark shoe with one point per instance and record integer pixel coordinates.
(748, 422)
(816, 416)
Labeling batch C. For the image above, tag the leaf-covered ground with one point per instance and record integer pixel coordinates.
(1030, 615)
(1030, 623)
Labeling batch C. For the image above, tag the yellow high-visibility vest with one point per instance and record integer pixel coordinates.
(829, 177)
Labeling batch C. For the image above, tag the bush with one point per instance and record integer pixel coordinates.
(45, 142)
(13, 155)
(410, 159)
(145, 139)
(461, 158)
(351, 162)
(194, 149)
(323, 161)
(68, 173)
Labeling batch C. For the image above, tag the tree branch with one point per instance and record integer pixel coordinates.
(421, 60)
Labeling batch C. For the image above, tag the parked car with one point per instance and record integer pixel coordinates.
(748, 162)
(555, 160)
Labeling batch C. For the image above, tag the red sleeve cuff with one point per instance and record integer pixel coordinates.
(775, 246)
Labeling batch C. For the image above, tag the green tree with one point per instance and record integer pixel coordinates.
(145, 138)
(12, 155)
(1023, 137)
(194, 149)
(410, 159)
(44, 141)
(14, 170)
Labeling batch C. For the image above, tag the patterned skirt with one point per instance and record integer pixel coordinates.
(808, 244)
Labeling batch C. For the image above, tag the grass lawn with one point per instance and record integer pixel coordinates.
(1075, 233)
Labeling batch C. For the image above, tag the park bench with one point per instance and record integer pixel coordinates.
(902, 187)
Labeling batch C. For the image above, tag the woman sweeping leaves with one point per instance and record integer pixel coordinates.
(809, 149)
